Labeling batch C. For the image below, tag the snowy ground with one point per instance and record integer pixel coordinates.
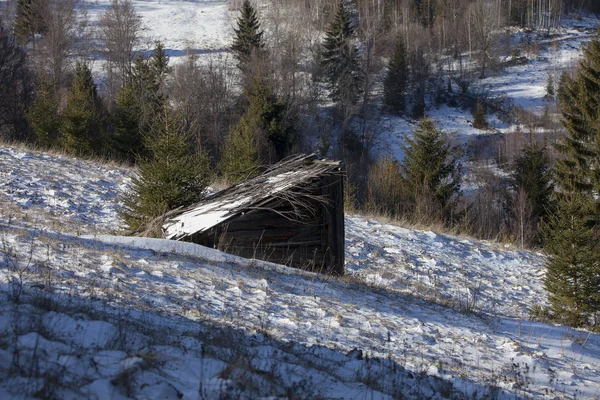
(419, 315)
(205, 26)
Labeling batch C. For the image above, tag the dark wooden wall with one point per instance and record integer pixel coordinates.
(310, 236)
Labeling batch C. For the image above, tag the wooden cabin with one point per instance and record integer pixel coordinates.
(292, 214)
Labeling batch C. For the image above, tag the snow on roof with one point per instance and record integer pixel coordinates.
(250, 194)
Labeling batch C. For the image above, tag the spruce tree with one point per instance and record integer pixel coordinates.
(533, 175)
(265, 133)
(340, 61)
(126, 140)
(479, 116)
(147, 82)
(82, 117)
(430, 176)
(550, 92)
(28, 20)
(396, 80)
(43, 116)
(159, 66)
(573, 266)
(580, 110)
(532, 186)
(239, 157)
(420, 71)
(268, 115)
(16, 87)
(171, 175)
(248, 34)
(572, 233)
(418, 110)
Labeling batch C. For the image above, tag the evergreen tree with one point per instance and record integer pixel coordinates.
(239, 157)
(418, 110)
(43, 116)
(268, 115)
(430, 176)
(532, 174)
(127, 139)
(16, 87)
(82, 117)
(396, 80)
(340, 61)
(248, 34)
(573, 266)
(159, 66)
(532, 185)
(420, 68)
(479, 116)
(579, 168)
(572, 234)
(264, 133)
(147, 83)
(550, 93)
(28, 20)
(171, 176)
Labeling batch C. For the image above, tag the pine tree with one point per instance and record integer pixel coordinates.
(396, 80)
(127, 139)
(82, 117)
(16, 87)
(159, 66)
(573, 266)
(265, 133)
(533, 175)
(572, 234)
(430, 176)
(418, 110)
(340, 61)
(268, 115)
(239, 158)
(420, 68)
(580, 109)
(550, 93)
(248, 34)
(43, 116)
(171, 176)
(28, 20)
(148, 79)
(479, 116)
(532, 184)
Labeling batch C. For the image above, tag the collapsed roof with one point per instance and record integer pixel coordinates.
(280, 181)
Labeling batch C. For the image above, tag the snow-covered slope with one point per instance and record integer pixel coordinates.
(419, 315)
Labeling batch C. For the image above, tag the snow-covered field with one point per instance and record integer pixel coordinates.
(419, 315)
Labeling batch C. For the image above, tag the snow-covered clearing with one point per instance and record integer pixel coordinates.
(204, 26)
(419, 315)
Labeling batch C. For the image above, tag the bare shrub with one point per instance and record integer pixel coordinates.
(58, 44)
(120, 28)
(384, 191)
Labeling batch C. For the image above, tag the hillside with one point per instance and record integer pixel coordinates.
(419, 315)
